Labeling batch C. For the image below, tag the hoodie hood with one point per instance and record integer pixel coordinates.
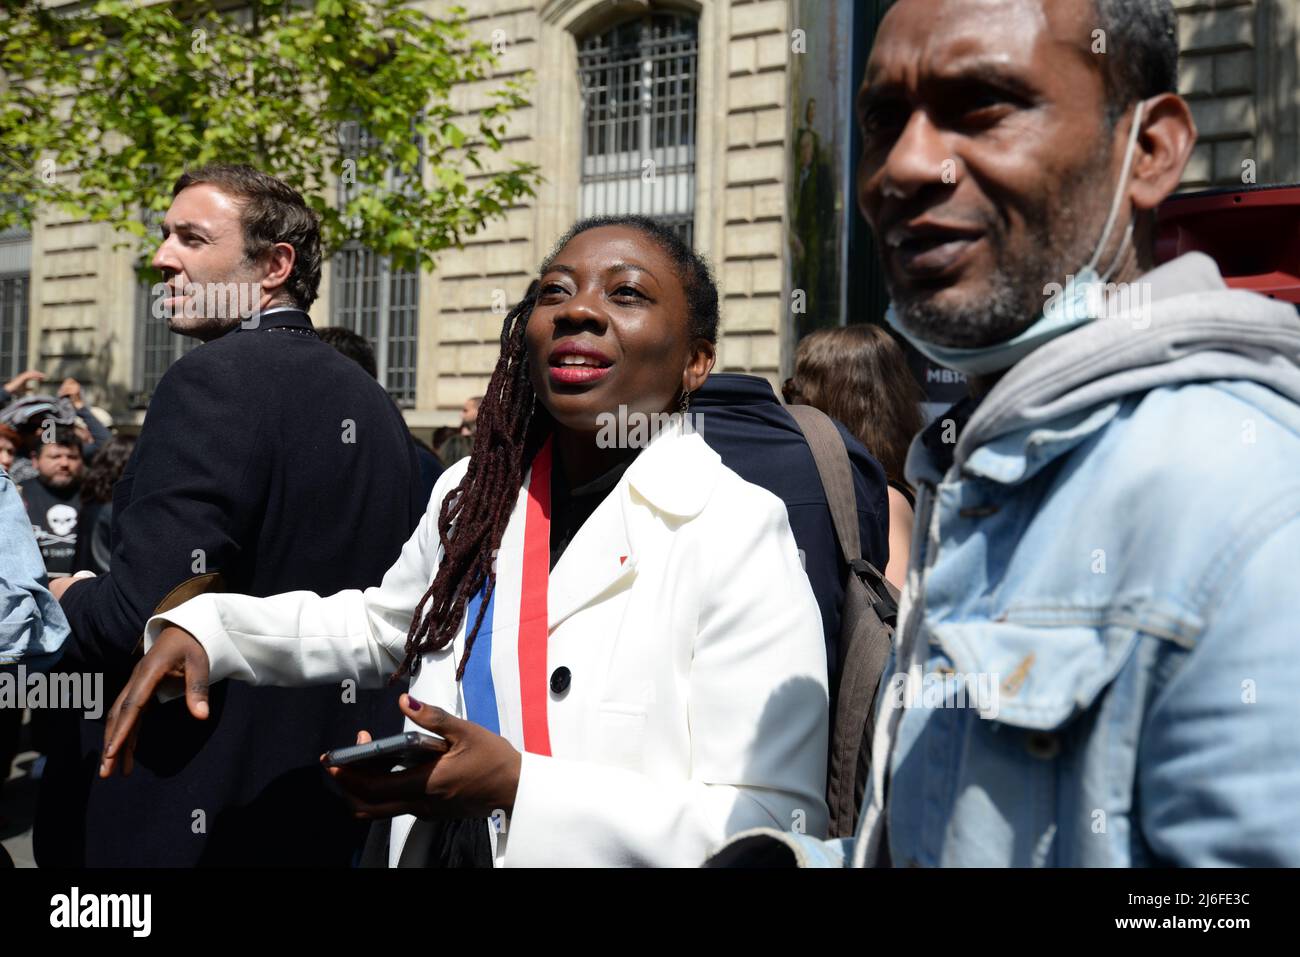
(1192, 328)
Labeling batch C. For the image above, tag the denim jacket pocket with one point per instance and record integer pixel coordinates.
(1046, 666)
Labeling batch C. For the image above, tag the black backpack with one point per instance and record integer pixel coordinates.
(867, 621)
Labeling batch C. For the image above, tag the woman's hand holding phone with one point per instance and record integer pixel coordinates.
(479, 773)
(176, 655)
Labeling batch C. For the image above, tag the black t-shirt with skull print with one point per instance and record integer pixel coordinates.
(53, 514)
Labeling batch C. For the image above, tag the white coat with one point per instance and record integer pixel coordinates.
(697, 706)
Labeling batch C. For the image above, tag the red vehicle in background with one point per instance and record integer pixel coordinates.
(1252, 232)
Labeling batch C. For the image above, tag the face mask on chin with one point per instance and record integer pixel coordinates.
(1079, 301)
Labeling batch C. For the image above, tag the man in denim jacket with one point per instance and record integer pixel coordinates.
(1096, 661)
(32, 626)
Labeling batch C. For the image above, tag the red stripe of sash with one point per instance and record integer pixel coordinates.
(532, 606)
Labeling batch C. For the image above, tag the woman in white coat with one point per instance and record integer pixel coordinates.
(610, 628)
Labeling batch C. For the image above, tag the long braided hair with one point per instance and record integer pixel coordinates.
(509, 431)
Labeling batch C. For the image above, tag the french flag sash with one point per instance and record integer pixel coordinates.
(510, 699)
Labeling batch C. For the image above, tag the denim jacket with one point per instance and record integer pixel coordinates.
(1097, 659)
(32, 626)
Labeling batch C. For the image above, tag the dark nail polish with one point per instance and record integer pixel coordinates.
(413, 704)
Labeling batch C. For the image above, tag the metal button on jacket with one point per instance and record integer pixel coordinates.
(560, 680)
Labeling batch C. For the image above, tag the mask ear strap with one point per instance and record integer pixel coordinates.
(1119, 191)
(1128, 236)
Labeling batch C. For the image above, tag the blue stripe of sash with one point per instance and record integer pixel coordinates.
(480, 693)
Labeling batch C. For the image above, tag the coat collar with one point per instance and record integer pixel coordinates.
(277, 317)
(675, 475)
(676, 472)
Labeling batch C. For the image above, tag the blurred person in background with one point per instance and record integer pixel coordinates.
(53, 497)
(357, 348)
(10, 442)
(461, 444)
(859, 375)
(95, 519)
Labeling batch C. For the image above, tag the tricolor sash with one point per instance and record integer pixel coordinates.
(516, 711)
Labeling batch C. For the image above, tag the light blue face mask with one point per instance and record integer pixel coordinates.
(1078, 302)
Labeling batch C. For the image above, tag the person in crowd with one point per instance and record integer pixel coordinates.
(469, 415)
(357, 348)
(459, 445)
(90, 430)
(95, 519)
(10, 443)
(858, 375)
(1114, 512)
(626, 659)
(54, 495)
(267, 463)
(441, 434)
(33, 417)
(741, 419)
(33, 628)
(15, 388)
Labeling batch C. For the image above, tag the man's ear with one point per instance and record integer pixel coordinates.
(280, 259)
(703, 356)
(1164, 147)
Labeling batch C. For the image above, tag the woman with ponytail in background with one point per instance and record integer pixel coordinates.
(610, 628)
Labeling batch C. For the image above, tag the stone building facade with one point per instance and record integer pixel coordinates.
(83, 310)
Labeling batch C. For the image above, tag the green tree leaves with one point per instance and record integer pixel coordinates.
(101, 110)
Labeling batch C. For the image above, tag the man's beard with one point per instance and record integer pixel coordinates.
(1058, 245)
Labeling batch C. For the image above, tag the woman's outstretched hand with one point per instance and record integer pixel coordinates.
(478, 775)
(175, 655)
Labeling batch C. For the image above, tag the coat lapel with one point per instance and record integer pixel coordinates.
(674, 476)
(597, 560)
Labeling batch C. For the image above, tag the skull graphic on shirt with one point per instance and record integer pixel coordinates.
(62, 520)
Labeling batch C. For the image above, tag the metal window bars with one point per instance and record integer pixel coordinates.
(15, 292)
(638, 83)
(372, 298)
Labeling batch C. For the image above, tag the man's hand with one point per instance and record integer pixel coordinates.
(19, 382)
(61, 584)
(478, 775)
(175, 655)
(72, 389)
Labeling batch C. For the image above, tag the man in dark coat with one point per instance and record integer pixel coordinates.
(268, 463)
(745, 423)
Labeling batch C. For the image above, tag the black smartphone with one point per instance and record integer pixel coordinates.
(409, 749)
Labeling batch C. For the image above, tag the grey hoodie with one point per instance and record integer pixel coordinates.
(1197, 329)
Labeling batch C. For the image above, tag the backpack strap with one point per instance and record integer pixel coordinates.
(867, 620)
(832, 460)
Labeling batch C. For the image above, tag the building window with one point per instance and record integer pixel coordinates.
(15, 296)
(157, 347)
(638, 130)
(375, 300)
(14, 293)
